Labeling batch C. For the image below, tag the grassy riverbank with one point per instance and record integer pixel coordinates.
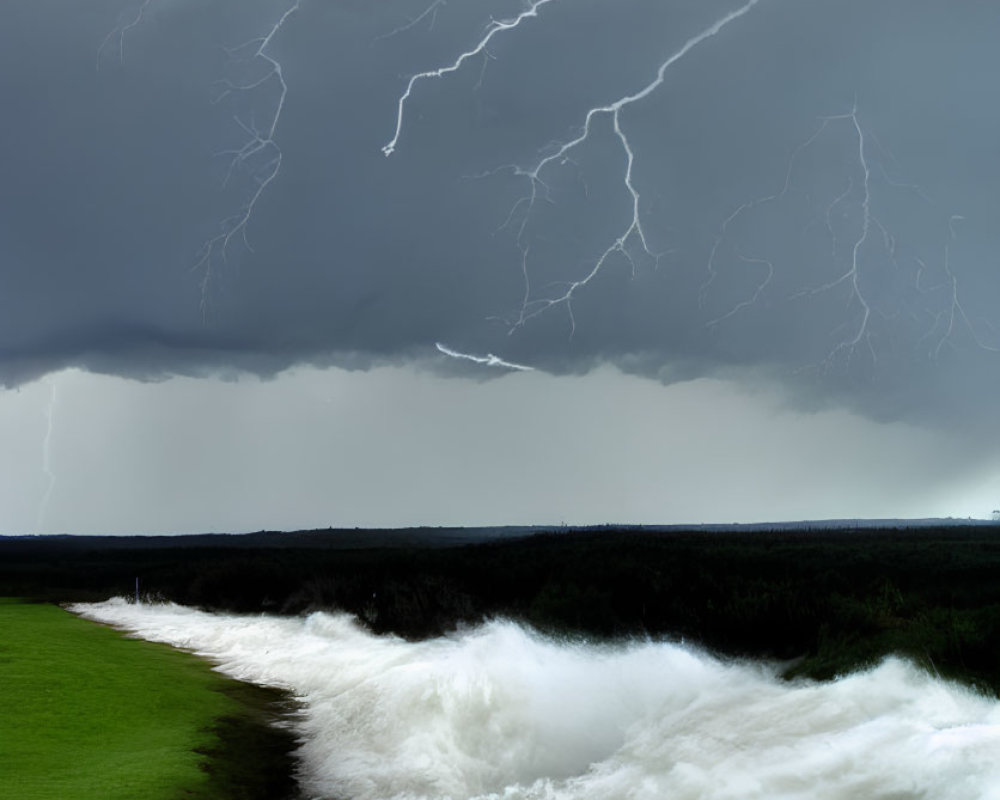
(87, 713)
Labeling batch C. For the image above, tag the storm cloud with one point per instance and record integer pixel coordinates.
(806, 193)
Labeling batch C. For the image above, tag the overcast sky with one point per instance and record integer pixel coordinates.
(339, 262)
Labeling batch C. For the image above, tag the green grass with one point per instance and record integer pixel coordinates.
(87, 713)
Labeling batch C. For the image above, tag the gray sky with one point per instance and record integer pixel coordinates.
(749, 247)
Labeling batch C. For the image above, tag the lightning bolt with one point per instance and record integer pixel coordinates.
(757, 293)
(750, 206)
(852, 276)
(259, 156)
(431, 12)
(871, 237)
(954, 311)
(122, 31)
(489, 359)
(50, 408)
(634, 233)
(862, 247)
(495, 28)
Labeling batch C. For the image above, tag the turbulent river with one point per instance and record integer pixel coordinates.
(501, 712)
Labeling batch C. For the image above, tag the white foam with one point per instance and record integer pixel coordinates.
(499, 711)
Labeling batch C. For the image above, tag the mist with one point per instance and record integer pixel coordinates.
(501, 711)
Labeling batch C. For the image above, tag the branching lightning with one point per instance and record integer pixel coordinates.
(50, 410)
(489, 359)
(430, 14)
(855, 253)
(758, 290)
(954, 312)
(259, 156)
(863, 248)
(634, 234)
(495, 28)
(852, 275)
(752, 204)
(122, 31)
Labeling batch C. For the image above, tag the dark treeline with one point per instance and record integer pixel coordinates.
(828, 601)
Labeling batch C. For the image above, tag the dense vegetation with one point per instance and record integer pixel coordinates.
(87, 713)
(828, 600)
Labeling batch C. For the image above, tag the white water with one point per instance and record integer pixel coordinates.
(502, 712)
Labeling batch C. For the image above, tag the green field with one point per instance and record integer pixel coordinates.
(88, 713)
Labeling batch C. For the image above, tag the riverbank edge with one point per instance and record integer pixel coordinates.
(253, 755)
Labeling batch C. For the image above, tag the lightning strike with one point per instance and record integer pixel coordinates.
(494, 28)
(634, 234)
(122, 31)
(259, 156)
(758, 291)
(864, 258)
(853, 274)
(431, 11)
(954, 310)
(488, 360)
(861, 246)
(50, 409)
(761, 201)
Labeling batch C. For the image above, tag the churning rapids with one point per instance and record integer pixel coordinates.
(502, 712)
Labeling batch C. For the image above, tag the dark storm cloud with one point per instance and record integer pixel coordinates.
(857, 137)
